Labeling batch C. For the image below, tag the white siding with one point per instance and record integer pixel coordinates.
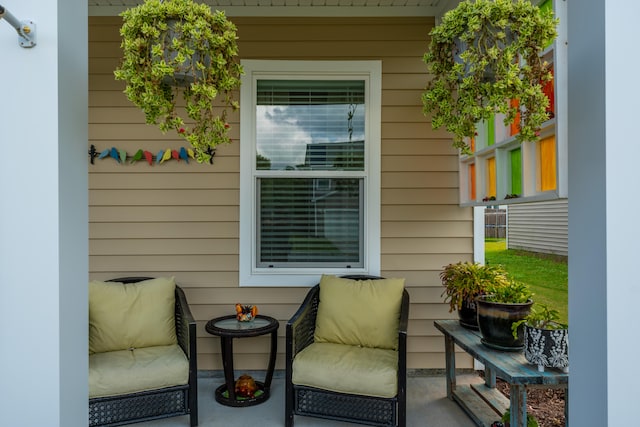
(539, 227)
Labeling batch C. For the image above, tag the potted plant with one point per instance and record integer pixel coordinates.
(498, 310)
(463, 282)
(546, 339)
(179, 48)
(485, 58)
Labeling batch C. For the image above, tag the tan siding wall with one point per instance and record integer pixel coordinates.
(181, 220)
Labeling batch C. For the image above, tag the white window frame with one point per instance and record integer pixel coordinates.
(371, 73)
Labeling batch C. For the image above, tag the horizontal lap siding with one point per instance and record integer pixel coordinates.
(539, 227)
(182, 220)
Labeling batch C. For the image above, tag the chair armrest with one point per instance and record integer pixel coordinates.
(402, 348)
(301, 327)
(404, 314)
(185, 325)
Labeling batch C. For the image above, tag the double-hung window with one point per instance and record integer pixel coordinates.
(310, 170)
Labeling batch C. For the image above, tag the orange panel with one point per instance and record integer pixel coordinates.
(491, 177)
(514, 128)
(472, 181)
(547, 163)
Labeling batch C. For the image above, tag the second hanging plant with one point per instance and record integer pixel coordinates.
(485, 59)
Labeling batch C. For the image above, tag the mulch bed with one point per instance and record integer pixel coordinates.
(546, 404)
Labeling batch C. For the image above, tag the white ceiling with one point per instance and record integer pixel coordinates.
(299, 7)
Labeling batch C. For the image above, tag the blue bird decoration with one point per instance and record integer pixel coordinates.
(114, 154)
(104, 154)
(183, 154)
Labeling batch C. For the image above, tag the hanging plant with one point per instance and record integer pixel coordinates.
(485, 59)
(179, 48)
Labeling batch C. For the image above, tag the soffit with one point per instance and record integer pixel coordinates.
(299, 7)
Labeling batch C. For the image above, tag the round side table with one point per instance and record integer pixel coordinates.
(228, 328)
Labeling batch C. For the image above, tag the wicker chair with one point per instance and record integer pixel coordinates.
(315, 402)
(160, 403)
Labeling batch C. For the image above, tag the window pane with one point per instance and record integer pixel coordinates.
(310, 125)
(310, 222)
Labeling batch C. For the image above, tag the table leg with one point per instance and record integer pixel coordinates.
(518, 405)
(226, 345)
(272, 360)
(489, 377)
(450, 360)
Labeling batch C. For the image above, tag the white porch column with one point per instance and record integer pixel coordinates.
(44, 216)
(604, 201)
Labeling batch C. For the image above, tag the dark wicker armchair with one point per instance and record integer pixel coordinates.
(322, 403)
(160, 403)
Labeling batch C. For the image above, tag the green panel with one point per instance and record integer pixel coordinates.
(516, 171)
(491, 131)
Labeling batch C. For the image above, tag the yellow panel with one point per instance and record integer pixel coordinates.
(547, 163)
(491, 177)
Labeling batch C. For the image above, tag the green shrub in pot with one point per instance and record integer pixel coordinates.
(498, 310)
(464, 281)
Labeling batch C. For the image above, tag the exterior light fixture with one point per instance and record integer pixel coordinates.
(26, 29)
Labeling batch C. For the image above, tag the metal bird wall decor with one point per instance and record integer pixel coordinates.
(163, 155)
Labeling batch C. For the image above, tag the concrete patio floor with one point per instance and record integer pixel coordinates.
(427, 406)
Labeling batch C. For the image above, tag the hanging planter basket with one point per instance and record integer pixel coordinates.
(179, 49)
(484, 55)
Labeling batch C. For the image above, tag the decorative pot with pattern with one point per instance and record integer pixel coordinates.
(547, 348)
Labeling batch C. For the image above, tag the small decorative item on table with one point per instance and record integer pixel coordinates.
(246, 386)
(246, 313)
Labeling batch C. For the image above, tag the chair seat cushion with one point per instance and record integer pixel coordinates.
(348, 369)
(141, 369)
(359, 312)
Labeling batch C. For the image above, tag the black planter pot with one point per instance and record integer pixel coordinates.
(495, 320)
(547, 348)
(468, 314)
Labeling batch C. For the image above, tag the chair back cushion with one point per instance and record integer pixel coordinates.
(363, 313)
(133, 315)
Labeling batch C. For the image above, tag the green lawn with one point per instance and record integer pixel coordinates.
(546, 275)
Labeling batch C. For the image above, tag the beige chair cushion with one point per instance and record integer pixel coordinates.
(359, 312)
(135, 315)
(347, 369)
(129, 371)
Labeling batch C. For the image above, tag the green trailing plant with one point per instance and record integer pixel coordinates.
(540, 317)
(513, 292)
(531, 420)
(466, 280)
(483, 55)
(181, 49)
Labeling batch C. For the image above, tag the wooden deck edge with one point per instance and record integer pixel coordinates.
(477, 407)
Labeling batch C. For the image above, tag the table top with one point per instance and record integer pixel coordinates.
(511, 366)
(229, 326)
